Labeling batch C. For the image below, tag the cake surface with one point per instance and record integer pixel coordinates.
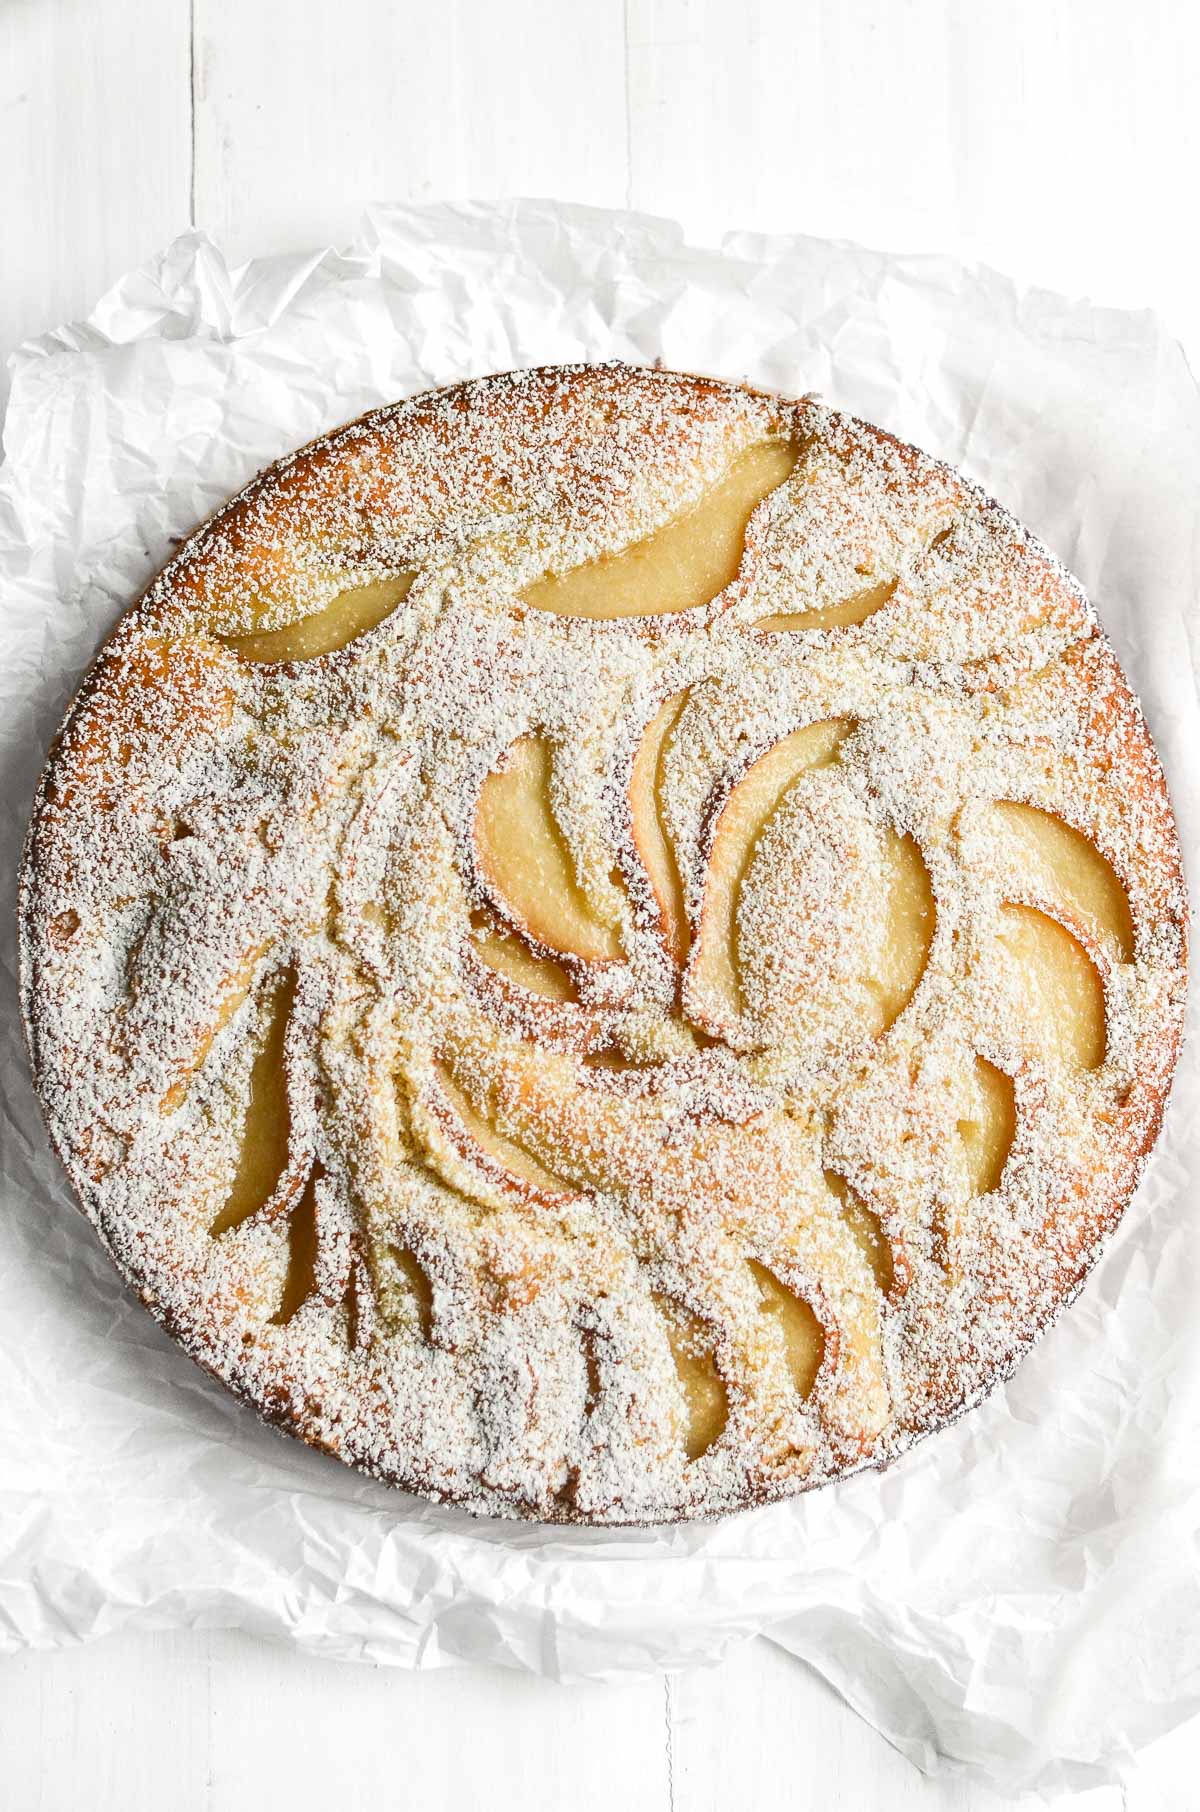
(604, 945)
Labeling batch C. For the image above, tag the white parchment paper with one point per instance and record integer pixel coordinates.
(1022, 1593)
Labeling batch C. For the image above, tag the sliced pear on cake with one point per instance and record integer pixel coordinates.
(526, 864)
(345, 619)
(480, 1139)
(681, 566)
(231, 994)
(507, 957)
(533, 995)
(874, 1244)
(986, 1125)
(713, 994)
(984, 1130)
(802, 1334)
(705, 1400)
(832, 926)
(1046, 861)
(1064, 919)
(651, 835)
(265, 1141)
(844, 615)
(1050, 990)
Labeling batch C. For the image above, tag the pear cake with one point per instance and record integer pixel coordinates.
(605, 946)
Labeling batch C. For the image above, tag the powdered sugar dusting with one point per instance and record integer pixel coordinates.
(493, 1197)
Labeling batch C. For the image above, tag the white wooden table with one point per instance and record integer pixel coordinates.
(1058, 142)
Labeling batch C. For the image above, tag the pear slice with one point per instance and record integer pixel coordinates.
(509, 958)
(705, 1398)
(524, 858)
(686, 563)
(534, 996)
(844, 615)
(301, 1280)
(987, 1126)
(266, 1129)
(650, 835)
(1057, 864)
(867, 1229)
(713, 986)
(351, 614)
(1052, 989)
(234, 991)
(506, 1153)
(832, 923)
(985, 1131)
(908, 929)
(410, 1293)
(803, 1335)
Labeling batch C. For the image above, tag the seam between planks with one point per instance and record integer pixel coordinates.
(669, 1722)
(628, 107)
(192, 110)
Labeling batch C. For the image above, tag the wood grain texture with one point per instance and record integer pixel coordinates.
(217, 1722)
(95, 150)
(1047, 140)
(763, 1717)
(305, 112)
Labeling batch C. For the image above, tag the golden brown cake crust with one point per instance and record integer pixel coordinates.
(601, 1035)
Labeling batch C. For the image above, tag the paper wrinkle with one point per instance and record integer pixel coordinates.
(1019, 1595)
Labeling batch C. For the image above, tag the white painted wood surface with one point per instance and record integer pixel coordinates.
(1060, 142)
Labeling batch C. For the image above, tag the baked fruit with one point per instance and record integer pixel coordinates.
(605, 946)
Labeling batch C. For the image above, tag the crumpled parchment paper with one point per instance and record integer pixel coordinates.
(1022, 1593)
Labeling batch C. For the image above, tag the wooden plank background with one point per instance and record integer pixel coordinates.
(1059, 142)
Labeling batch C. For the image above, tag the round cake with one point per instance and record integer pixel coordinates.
(604, 945)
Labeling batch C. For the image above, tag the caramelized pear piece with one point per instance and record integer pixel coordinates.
(351, 614)
(650, 835)
(910, 923)
(713, 975)
(508, 956)
(525, 860)
(855, 609)
(1052, 988)
(831, 925)
(686, 563)
(1058, 864)
(266, 1129)
(301, 1280)
(803, 1335)
(233, 994)
(511, 1156)
(706, 1401)
(988, 1127)
(867, 1229)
